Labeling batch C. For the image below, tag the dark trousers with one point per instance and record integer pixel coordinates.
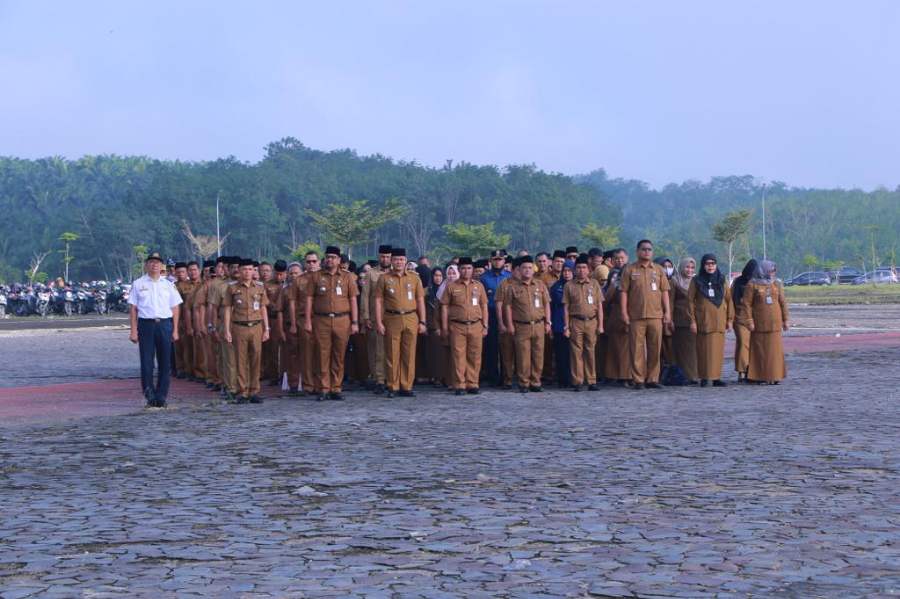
(155, 340)
(562, 359)
(490, 359)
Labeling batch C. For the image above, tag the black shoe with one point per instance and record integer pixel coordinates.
(379, 389)
(407, 393)
(322, 397)
(255, 399)
(635, 386)
(719, 383)
(240, 399)
(474, 391)
(594, 387)
(459, 392)
(160, 403)
(576, 388)
(523, 389)
(536, 389)
(506, 387)
(391, 394)
(653, 386)
(704, 383)
(336, 396)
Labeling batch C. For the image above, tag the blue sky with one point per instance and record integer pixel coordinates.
(803, 92)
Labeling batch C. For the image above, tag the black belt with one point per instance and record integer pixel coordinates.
(332, 314)
(249, 323)
(529, 321)
(466, 321)
(400, 312)
(155, 319)
(583, 317)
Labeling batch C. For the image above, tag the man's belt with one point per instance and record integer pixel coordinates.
(539, 320)
(576, 317)
(466, 321)
(400, 312)
(155, 319)
(332, 314)
(247, 323)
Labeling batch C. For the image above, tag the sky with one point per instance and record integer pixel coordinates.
(805, 92)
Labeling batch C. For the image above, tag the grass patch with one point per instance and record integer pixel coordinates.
(844, 294)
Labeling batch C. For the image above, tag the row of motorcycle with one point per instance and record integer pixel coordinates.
(43, 300)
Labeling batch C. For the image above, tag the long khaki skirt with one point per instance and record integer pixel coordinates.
(710, 355)
(684, 348)
(766, 357)
(617, 356)
(741, 348)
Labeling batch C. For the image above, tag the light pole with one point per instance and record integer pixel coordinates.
(218, 241)
(764, 219)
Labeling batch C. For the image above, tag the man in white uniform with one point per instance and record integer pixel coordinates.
(154, 327)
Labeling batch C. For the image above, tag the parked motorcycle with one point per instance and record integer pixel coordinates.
(3, 302)
(42, 305)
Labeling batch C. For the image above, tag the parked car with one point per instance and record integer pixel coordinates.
(878, 276)
(845, 275)
(809, 278)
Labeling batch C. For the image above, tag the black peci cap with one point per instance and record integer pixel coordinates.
(181, 265)
(582, 259)
(481, 263)
(464, 261)
(526, 260)
(334, 250)
(558, 254)
(398, 251)
(385, 249)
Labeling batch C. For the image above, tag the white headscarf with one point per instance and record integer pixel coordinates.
(452, 274)
(681, 279)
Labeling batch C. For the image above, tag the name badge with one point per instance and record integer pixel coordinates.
(409, 295)
(591, 300)
(474, 301)
(768, 299)
(537, 302)
(338, 290)
(710, 292)
(652, 286)
(256, 305)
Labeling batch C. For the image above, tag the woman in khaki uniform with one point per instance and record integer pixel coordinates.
(711, 315)
(764, 312)
(741, 333)
(668, 354)
(617, 357)
(684, 341)
(436, 351)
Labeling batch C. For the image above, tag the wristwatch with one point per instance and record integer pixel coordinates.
(354, 322)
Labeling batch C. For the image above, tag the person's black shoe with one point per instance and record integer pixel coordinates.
(473, 391)
(379, 389)
(161, 403)
(704, 383)
(593, 387)
(459, 392)
(322, 397)
(719, 383)
(506, 387)
(523, 389)
(240, 399)
(336, 396)
(255, 399)
(536, 389)
(653, 386)
(635, 386)
(410, 393)
(576, 388)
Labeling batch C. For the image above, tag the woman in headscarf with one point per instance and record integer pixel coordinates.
(741, 333)
(711, 315)
(436, 352)
(450, 274)
(422, 367)
(764, 312)
(617, 358)
(668, 354)
(561, 352)
(684, 342)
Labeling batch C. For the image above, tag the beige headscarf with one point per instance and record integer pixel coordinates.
(679, 278)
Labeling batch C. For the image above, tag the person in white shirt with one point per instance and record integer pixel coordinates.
(154, 327)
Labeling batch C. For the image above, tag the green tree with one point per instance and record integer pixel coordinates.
(810, 261)
(352, 224)
(605, 237)
(476, 241)
(729, 230)
(68, 238)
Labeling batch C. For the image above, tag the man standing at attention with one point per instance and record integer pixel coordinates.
(645, 309)
(246, 328)
(154, 327)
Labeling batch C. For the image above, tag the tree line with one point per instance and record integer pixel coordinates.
(96, 216)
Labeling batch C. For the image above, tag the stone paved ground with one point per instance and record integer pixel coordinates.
(765, 491)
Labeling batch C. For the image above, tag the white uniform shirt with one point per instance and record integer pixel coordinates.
(154, 299)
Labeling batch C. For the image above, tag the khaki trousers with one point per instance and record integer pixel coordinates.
(583, 351)
(465, 352)
(184, 354)
(227, 362)
(645, 346)
(330, 337)
(529, 344)
(375, 354)
(212, 360)
(247, 349)
(199, 356)
(401, 332)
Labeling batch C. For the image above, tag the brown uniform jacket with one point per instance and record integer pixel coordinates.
(583, 298)
(548, 278)
(216, 293)
(705, 314)
(766, 315)
(331, 293)
(464, 301)
(275, 292)
(679, 303)
(644, 284)
(526, 300)
(247, 301)
(399, 293)
(297, 291)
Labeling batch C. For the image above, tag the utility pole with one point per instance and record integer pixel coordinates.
(218, 240)
(765, 257)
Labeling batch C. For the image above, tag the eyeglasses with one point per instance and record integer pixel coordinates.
(311, 261)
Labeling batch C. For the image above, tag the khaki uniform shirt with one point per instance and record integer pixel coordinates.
(331, 293)
(527, 300)
(297, 291)
(680, 306)
(464, 301)
(275, 294)
(764, 306)
(582, 297)
(399, 292)
(644, 284)
(705, 314)
(548, 278)
(247, 301)
(216, 292)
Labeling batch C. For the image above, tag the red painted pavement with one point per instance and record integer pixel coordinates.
(54, 403)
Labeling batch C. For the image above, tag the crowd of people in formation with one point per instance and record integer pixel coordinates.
(570, 319)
